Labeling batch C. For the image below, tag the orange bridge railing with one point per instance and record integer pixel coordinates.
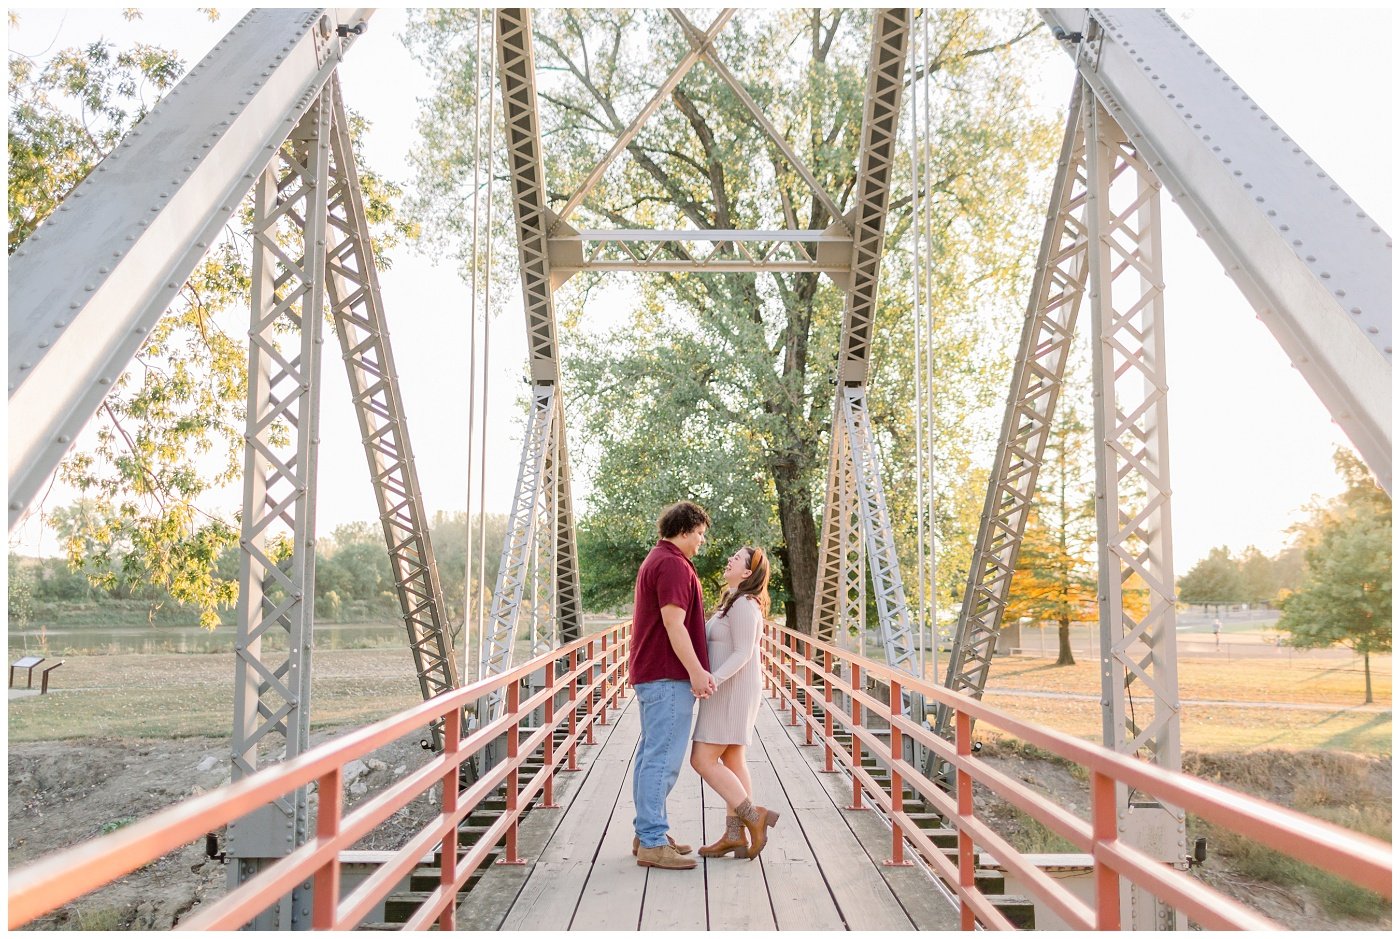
(589, 673)
(843, 684)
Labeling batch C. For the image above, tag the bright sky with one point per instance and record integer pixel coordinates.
(1250, 442)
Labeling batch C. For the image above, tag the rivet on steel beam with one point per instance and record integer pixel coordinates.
(64, 438)
(25, 366)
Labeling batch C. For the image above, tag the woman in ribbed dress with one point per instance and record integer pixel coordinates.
(724, 725)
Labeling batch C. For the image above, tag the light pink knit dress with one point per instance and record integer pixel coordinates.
(728, 715)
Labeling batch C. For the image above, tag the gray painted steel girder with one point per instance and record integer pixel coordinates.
(1315, 266)
(1057, 292)
(90, 284)
(357, 307)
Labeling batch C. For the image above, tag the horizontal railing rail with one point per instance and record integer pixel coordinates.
(796, 663)
(591, 671)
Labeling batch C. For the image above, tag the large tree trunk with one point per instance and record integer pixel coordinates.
(800, 538)
(1066, 653)
(1367, 659)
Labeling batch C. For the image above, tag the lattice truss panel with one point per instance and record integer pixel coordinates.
(703, 251)
(277, 573)
(534, 587)
(856, 531)
(1136, 582)
(1057, 293)
(358, 313)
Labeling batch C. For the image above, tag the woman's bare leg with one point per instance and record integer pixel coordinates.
(705, 758)
(735, 758)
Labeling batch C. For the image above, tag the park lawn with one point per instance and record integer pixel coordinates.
(1218, 728)
(1339, 682)
(173, 695)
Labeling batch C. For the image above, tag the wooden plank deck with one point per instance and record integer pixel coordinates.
(820, 871)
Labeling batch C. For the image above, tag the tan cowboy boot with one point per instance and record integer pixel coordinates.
(732, 840)
(757, 820)
(680, 848)
(665, 857)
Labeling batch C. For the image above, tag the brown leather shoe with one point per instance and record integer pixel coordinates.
(758, 829)
(737, 844)
(680, 848)
(665, 857)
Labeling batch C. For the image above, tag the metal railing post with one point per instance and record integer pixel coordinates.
(896, 781)
(573, 713)
(325, 883)
(451, 791)
(513, 777)
(811, 687)
(855, 739)
(828, 729)
(966, 873)
(1106, 893)
(592, 718)
(549, 683)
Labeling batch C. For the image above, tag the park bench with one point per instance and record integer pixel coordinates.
(29, 663)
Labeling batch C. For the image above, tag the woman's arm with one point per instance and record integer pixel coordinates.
(743, 627)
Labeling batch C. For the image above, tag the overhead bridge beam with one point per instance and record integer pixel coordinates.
(708, 250)
(1313, 264)
(88, 287)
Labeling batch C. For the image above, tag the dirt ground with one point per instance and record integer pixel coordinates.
(68, 792)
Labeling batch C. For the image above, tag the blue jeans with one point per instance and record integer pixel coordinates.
(667, 708)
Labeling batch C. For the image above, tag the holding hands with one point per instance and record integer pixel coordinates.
(702, 683)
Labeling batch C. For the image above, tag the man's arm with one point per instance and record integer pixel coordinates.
(673, 618)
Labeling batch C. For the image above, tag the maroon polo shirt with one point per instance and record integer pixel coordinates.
(666, 578)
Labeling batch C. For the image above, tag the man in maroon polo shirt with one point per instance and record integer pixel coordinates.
(669, 669)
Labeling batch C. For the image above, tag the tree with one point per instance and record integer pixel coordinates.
(171, 430)
(1258, 582)
(718, 387)
(1214, 579)
(1345, 594)
(1056, 572)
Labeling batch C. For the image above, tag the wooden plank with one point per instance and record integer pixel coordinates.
(736, 889)
(855, 884)
(612, 897)
(676, 899)
(920, 896)
(563, 863)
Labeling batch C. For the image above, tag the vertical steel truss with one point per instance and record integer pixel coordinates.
(842, 571)
(358, 310)
(1056, 295)
(891, 605)
(1137, 610)
(531, 548)
(855, 521)
(272, 687)
(543, 502)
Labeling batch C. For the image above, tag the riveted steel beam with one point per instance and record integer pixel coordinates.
(92, 281)
(1057, 293)
(1314, 265)
(277, 573)
(357, 308)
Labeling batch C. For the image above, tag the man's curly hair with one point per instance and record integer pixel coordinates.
(681, 518)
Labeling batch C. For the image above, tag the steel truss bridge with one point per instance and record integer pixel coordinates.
(263, 113)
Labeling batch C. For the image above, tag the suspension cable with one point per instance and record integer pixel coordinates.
(929, 417)
(469, 596)
(914, 231)
(486, 316)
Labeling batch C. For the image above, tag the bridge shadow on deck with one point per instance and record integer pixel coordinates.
(821, 869)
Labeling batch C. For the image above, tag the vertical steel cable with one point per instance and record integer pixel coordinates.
(486, 314)
(929, 422)
(914, 64)
(472, 668)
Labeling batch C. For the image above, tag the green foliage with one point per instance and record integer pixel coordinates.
(717, 387)
(1345, 595)
(170, 431)
(1214, 579)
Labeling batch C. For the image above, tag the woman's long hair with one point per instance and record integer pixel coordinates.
(755, 585)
